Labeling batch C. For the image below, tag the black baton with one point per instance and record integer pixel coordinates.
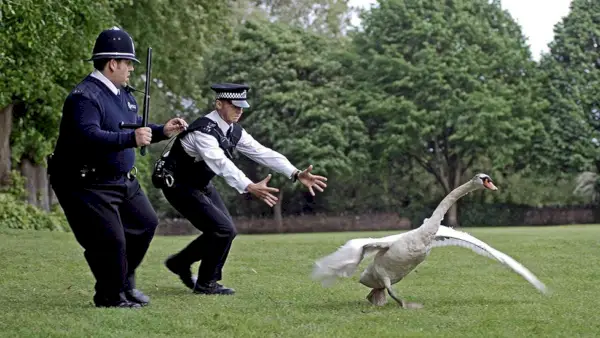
(146, 104)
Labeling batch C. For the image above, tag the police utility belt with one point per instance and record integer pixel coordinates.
(87, 172)
(92, 173)
(162, 175)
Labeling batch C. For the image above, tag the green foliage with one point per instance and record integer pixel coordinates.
(588, 186)
(477, 214)
(144, 165)
(180, 35)
(566, 142)
(571, 83)
(16, 213)
(538, 190)
(299, 105)
(15, 186)
(396, 114)
(446, 83)
(326, 17)
(43, 47)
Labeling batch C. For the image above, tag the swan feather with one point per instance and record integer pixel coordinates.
(449, 237)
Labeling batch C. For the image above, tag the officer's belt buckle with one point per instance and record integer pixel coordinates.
(132, 174)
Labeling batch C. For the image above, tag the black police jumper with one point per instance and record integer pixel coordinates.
(110, 215)
(195, 197)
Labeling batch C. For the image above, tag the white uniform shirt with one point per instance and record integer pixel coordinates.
(204, 147)
(98, 75)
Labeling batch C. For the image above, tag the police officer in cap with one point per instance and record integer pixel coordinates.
(198, 154)
(93, 175)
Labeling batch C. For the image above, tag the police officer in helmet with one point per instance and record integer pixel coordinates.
(93, 175)
(203, 151)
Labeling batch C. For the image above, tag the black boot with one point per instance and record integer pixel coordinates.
(119, 301)
(212, 288)
(184, 272)
(136, 296)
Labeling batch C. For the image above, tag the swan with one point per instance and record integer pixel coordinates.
(397, 255)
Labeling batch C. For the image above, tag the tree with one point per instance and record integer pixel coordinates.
(572, 80)
(181, 35)
(445, 84)
(43, 44)
(299, 104)
(325, 17)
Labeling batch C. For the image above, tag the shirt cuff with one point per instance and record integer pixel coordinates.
(242, 184)
(290, 171)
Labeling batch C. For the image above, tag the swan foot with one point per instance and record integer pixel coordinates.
(402, 303)
(377, 297)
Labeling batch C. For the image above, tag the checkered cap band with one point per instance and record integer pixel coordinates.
(232, 95)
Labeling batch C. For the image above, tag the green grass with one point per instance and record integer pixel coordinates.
(46, 290)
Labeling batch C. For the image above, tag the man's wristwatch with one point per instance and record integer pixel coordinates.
(295, 175)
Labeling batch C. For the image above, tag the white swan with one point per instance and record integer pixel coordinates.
(397, 255)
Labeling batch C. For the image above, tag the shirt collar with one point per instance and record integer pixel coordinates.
(224, 126)
(98, 75)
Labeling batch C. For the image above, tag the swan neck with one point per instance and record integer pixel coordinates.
(433, 223)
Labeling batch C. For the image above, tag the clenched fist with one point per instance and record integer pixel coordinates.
(143, 136)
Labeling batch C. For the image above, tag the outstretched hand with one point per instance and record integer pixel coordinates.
(262, 191)
(174, 126)
(312, 181)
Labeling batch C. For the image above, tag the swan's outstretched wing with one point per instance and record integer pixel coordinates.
(449, 237)
(344, 261)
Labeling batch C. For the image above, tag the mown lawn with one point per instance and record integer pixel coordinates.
(46, 290)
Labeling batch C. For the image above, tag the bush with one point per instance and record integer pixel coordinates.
(18, 214)
(487, 214)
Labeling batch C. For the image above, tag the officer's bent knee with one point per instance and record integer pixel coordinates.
(227, 230)
(153, 223)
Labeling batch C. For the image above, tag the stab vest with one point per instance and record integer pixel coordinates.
(186, 171)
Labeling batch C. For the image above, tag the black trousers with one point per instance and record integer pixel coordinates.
(114, 222)
(207, 212)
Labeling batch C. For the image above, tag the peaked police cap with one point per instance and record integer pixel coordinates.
(233, 92)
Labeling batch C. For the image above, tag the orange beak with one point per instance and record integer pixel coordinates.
(488, 184)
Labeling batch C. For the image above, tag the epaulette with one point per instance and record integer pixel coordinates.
(202, 124)
(208, 127)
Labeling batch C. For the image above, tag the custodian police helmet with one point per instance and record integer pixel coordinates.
(114, 43)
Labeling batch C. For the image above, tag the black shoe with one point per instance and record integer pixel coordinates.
(212, 288)
(136, 296)
(184, 272)
(119, 302)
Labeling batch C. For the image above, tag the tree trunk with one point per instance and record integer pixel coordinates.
(42, 187)
(51, 196)
(454, 173)
(277, 212)
(28, 171)
(452, 216)
(5, 131)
